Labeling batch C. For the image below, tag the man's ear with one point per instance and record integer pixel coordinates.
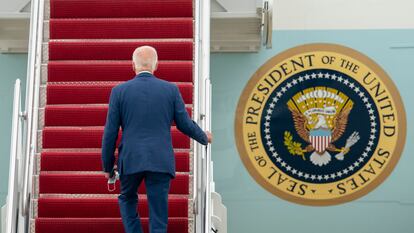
(156, 66)
(133, 67)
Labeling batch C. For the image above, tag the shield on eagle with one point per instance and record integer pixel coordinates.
(320, 139)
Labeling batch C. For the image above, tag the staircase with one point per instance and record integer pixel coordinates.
(86, 50)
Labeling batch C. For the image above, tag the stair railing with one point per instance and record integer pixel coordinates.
(202, 114)
(24, 131)
(32, 100)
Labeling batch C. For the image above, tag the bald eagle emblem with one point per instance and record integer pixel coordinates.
(320, 117)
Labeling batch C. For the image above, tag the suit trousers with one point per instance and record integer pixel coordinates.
(157, 186)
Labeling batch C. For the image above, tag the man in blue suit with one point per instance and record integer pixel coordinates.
(145, 107)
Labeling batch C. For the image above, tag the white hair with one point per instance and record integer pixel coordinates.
(145, 58)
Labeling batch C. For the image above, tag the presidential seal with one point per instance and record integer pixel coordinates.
(320, 124)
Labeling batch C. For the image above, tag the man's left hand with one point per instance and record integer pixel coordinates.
(209, 136)
(107, 175)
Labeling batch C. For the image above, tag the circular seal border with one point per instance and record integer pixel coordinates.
(401, 118)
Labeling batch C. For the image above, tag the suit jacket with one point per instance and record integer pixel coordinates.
(145, 108)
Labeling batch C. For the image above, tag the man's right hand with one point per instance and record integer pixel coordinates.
(209, 136)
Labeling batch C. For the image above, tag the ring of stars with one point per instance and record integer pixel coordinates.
(326, 177)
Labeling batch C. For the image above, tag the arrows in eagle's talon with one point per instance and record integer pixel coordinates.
(354, 138)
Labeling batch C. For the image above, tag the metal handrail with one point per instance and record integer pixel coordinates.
(32, 100)
(12, 196)
(206, 111)
(208, 162)
(201, 194)
(196, 115)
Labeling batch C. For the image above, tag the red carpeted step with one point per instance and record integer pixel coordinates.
(75, 183)
(75, 115)
(102, 207)
(91, 137)
(99, 225)
(120, 8)
(118, 49)
(66, 71)
(96, 92)
(91, 161)
(121, 28)
(78, 115)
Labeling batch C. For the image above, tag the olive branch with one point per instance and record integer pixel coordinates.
(295, 148)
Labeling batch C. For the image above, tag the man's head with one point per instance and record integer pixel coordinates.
(144, 58)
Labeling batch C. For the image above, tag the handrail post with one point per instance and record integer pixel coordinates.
(267, 23)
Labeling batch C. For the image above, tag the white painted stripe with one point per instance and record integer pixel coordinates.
(317, 144)
(320, 143)
(323, 144)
